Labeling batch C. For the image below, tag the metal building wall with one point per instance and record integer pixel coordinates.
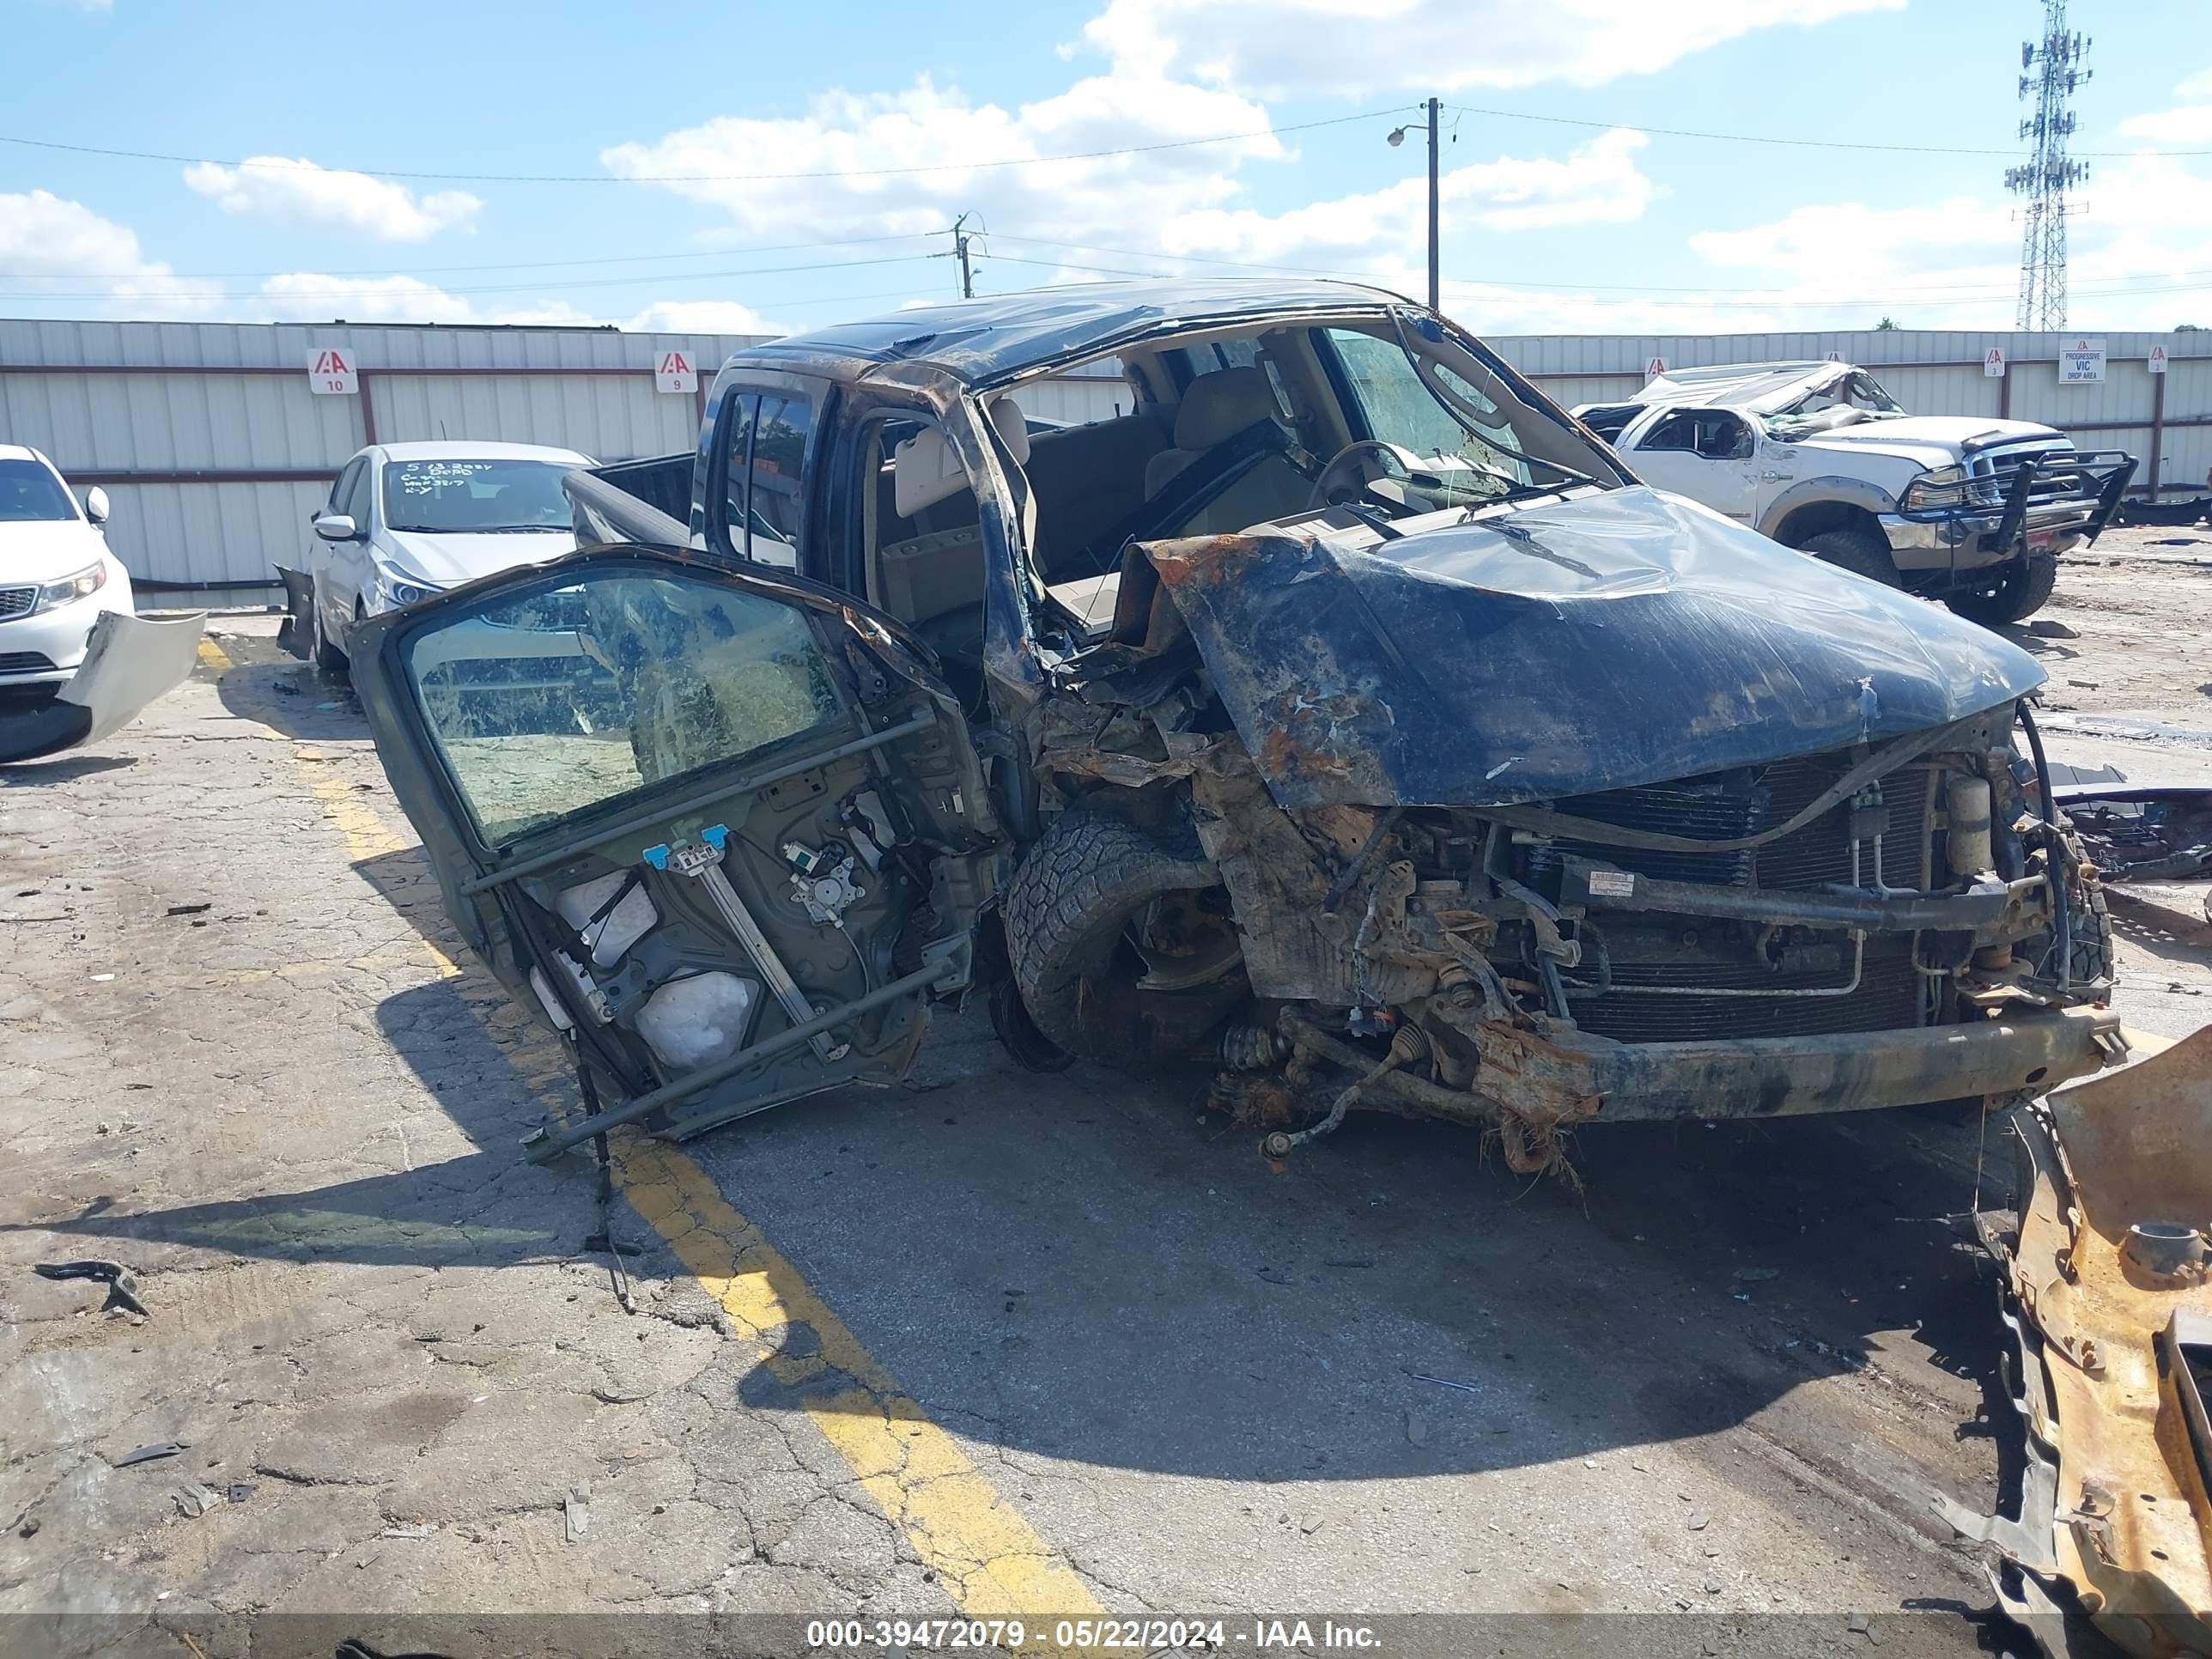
(2164, 420)
(214, 451)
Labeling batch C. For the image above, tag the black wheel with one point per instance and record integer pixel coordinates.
(2022, 589)
(1123, 946)
(1859, 551)
(327, 657)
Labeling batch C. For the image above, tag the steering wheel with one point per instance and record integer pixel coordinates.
(1360, 465)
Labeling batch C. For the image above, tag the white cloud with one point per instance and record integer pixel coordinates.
(701, 317)
(837, 148)
(2190, 123)
(1272, 47)
(1598, 184)
(62, 248)
(298, 190)
(2138, 240)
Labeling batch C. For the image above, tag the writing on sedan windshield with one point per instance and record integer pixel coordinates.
(475, 495)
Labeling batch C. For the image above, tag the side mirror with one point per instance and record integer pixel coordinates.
(95, 505)
(337, 527)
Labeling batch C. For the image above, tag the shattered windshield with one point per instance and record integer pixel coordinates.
(1844, 401)
(1476, 453)
(566, 698)
(475, 495)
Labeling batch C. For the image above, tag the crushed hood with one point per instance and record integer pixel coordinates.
(1618, 639)
(448, 558)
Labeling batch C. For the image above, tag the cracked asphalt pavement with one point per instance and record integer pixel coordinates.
(987, 1344)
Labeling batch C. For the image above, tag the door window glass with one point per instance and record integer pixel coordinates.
(569, 695)
(765, 494)
(342, 486)
(357, 497)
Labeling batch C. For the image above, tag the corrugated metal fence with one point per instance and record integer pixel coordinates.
(214, 451)
(2165, 420)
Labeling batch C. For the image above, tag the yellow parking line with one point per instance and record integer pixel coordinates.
(989, 1558)
(214, 656)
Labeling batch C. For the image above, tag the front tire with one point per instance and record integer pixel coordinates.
(328, 658)
(1859, 551)
(2023, 589)
(1102, 975)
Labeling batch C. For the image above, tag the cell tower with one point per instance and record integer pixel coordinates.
(2052, 70)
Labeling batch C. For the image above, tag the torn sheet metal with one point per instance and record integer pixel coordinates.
(128, 663)
(1601, 642)
(2110, 1305)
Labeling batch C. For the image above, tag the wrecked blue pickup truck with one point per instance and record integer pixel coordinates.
(1340, 713)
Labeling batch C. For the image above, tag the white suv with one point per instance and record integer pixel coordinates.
(57, 576)
(1971, 511)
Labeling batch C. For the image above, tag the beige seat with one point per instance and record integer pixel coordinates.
(935, 581)
(1215, 408)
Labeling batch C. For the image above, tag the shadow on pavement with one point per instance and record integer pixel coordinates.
(63, 769)
(1090, 1267)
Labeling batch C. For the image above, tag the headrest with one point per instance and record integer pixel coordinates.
(1218, 406)
(924, 471)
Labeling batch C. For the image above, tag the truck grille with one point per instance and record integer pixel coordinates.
(1995, 470)
(1728, 805)
(15, 601)
(1724, 806)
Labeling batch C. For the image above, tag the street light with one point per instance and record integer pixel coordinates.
(1395, 138)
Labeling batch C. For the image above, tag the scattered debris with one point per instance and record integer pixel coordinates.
(194, 1500)
(122, 1284)
(147, 1454)
(239, 1491)
(189, 909)
(1416, 1431)
(1444, 1383)
(576, 1513)
(2045, 628)
(1755, 1275)
(2108, 1281)
(1699, 1520)
(409, 1529)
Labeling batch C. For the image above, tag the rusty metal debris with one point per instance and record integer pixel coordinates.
(2109, 1302)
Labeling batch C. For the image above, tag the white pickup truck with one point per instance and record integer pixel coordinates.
(1971, 511)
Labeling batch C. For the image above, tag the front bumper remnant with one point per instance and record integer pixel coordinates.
(1569, 1076)
(2110, 1302)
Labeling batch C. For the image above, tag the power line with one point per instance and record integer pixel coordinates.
(512, 264)
(279, 164)
(402, 291)
(1692, 297)
(1910, 291)
(1800, 143)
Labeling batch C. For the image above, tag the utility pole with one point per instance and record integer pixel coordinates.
(1436, 291)
(2048, 173)
(1396, 137)
(960, 246)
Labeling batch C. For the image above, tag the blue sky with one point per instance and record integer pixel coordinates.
(1549, 226)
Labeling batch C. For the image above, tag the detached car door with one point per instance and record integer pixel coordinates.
(722, 827)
